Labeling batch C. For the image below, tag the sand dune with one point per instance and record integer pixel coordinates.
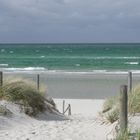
(83, 124)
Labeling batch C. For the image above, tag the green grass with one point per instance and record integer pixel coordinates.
(138, 134)
(112, 115)
(122, 136)
(128, 135)
(4, 111)
(108, 104)
(134, 100)
(110, 110)
(24, 92)
(111, 106)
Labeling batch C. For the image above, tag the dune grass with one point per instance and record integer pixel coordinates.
(111, 106)
(108, 104)
(112, 115)
(127, 135)
(138, 134)
(122, 136)
(134, 101)
(110, 110)
(24, 92)
(4, 111)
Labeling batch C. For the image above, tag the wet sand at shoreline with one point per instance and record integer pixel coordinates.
(80, 85)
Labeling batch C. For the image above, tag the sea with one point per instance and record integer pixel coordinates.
(93, 57)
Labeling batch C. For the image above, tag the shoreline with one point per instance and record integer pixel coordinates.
(79, 85)
(38, 70)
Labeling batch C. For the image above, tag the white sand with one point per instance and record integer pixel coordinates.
(83, 124)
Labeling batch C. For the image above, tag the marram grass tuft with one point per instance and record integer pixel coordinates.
(24, 92)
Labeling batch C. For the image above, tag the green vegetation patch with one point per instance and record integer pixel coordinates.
(111, 106)
(108, 104)
(134, 100)
(24, 92)
(4, 111)
(110, 110)
(122, 136)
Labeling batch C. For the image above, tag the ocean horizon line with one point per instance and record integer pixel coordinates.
(41, 43)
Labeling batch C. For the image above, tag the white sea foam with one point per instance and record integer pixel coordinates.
(77, 65)
(37, 50)
(34, 68)
(132, 63)
(2, 50)
(87, 72)
(27, 69)
(3, 65)
(97, 58)
(42, 56)
(69, 72)
(106, 57)
(11, 51)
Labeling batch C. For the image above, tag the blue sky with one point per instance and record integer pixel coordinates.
(73, 21)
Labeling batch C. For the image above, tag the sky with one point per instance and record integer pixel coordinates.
(69, 21)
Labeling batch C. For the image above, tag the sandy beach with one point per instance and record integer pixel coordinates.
(80, 85)
(82, 124)
(87, 92)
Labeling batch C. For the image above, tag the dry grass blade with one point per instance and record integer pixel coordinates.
(134, 100)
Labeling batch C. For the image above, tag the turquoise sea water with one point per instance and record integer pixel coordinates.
(70, 57)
